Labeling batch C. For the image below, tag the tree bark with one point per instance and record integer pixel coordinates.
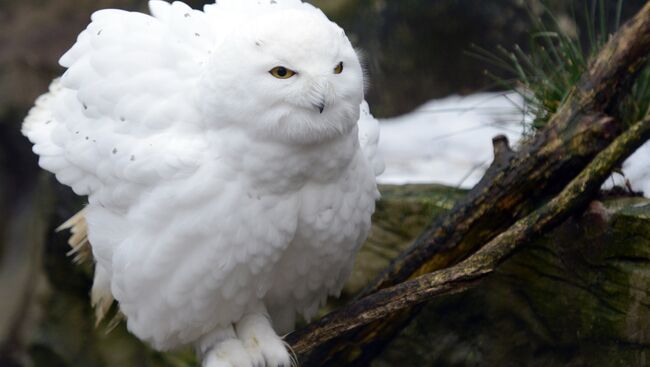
(513, 187)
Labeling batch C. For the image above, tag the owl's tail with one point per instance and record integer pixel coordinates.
(101, 297)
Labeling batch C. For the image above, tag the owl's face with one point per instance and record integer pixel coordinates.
(287, 76)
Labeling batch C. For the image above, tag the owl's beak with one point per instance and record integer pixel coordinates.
(320, 106)
(321, 93)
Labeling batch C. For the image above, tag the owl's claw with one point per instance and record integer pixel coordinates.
(228, 353)
(252, 342)
(260, 339)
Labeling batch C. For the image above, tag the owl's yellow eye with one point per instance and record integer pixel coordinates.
(281, 72)
(339, 68)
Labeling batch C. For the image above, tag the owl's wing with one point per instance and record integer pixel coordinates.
(369, 138)
(123, 115)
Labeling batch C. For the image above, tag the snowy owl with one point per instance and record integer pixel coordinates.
(229, 161)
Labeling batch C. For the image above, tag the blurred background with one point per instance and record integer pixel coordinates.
(414, 50)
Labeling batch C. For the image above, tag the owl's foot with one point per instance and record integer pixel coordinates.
(228, 353)
(252, 342)
(260, 339)
(222, 348)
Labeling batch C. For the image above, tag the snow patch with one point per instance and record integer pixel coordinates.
(449, 141)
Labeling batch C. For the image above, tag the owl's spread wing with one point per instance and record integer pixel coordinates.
(123, 115)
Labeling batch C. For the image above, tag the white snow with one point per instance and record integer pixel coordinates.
(636, 170)
(449, 141)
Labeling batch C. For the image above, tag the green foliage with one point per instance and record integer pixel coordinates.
(556, 60)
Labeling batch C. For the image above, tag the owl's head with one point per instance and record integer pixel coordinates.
(290, 76)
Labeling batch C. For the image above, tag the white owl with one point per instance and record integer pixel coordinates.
(229, 162)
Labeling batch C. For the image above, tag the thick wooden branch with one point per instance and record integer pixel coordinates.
(468, 272)
(511, 189)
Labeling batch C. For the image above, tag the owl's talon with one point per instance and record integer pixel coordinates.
(256, 332)
(257, 359)
(228, 353)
